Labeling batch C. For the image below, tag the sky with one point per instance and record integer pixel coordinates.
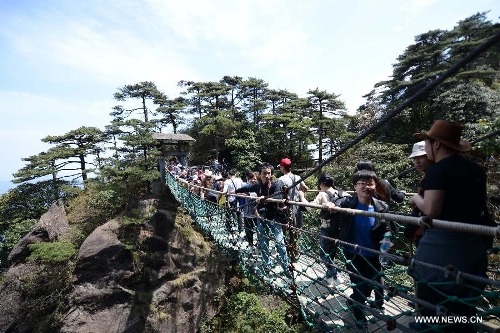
(62, 61)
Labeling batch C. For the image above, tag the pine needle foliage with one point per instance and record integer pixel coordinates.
(52, 252)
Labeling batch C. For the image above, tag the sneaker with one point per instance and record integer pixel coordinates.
(330, 282)
(331, 273)
(331, 279)
(358, 314)
(323, 278)
(277, 269)
(378, 306)
(339, 279)
(328, 275)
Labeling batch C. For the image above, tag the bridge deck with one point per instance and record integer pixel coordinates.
(323, 304)
(329, 301)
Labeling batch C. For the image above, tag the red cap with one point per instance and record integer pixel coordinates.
(285, 162)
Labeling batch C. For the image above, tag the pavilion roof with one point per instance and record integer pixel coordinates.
(172, 138)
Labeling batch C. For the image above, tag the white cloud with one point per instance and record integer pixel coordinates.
(228, 22)
(248, 29)
(82, 47)
(415, 6)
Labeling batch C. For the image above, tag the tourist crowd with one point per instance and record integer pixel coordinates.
(446, 174)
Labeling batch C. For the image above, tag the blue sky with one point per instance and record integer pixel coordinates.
(61, 61)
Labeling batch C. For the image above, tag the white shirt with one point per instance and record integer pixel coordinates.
(230, 185)
(287, 180)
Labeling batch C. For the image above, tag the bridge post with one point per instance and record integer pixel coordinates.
(170, 145)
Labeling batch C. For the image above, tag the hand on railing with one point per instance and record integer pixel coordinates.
(329, 206)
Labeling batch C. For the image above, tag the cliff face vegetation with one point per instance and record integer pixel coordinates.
(145, 270)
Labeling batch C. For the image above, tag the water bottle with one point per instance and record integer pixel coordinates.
(385, 244)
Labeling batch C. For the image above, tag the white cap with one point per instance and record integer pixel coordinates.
(418, 149)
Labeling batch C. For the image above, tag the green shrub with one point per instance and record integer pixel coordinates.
(46, 288)
(52, 252)
(16, 230)
(247, 313)
(128, 221)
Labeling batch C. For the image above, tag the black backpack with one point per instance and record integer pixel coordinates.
(335, 218)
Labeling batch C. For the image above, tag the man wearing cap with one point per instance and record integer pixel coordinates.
(421, 163)
(454, 190)
(284, 185)
(290, 185)
(419, 156)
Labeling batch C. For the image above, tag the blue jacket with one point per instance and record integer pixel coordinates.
(380, 227)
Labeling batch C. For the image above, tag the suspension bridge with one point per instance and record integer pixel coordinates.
(323, 302)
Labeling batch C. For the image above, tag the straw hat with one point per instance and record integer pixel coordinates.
(446, 132)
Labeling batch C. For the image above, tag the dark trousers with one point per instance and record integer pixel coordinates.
(369, 268)
(250, 223)
(233, 205)
(327, 251)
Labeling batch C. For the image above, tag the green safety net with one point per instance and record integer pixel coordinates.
(297, 267)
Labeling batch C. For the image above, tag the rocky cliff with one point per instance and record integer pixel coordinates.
(145, 271)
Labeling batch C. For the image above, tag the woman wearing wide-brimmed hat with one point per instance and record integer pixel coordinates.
(454, 190)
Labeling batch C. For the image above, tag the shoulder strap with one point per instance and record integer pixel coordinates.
(295, 187)
(330, 195)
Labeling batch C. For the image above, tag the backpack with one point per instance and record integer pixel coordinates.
(335, 218)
